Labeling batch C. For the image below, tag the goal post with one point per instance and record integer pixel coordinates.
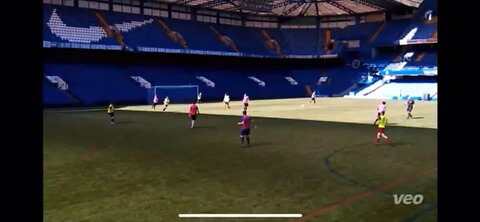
(176, 93)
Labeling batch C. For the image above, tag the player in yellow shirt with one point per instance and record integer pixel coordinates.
(111, 113)
(382, 123)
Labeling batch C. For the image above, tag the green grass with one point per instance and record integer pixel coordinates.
(152, 166)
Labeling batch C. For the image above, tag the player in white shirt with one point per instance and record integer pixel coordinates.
(155, 101)
(381, 108)
(226, 101)
(410, 103)
(245, 101)
(166, 102)
(312, 98)
(199, 97)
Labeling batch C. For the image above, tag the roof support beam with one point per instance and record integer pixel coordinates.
(316, 9)
(281, 4)
(184, 2)
(292, 9)
(342, 7)
(214, 3)
(370, 4)
(304, 10)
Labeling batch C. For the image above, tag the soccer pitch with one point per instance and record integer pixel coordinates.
(151, 166)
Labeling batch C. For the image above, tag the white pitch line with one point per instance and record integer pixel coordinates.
(243, 215)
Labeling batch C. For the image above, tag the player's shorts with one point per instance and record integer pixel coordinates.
(409, 109)
(245, 104)
(245, 131)
(226, 103)
(380, 130)
(193, 117)
(111, 114)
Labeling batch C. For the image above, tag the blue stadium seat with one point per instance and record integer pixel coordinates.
(54, 96)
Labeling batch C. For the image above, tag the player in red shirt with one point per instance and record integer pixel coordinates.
(245, 128)
(193, 112)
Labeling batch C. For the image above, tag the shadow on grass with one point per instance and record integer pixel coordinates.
(124, 122)
(259, 144)
(204, 127)
(396, 144)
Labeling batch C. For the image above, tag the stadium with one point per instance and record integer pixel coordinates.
(240, 110)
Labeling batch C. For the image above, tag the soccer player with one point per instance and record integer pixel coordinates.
(155, 101)
(382, 107)
(166, 101)
(382, 123)
(410, 103)
(312, 98)
(193, 112)
(226, 101)
(111, 113)
(245, 102)
(245, 128)
(199, 97)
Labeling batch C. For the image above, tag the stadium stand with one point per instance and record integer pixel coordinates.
(299, 42)
(61, 24)
(138, 30)
(97, 83)
(396, 90)
(54, 96)
(361, 31)
(100, 83)
(198, 35)
(392, 32)
(248, 40)
(64, 25)
(424, 31)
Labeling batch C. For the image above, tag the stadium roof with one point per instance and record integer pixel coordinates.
(299, 7)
